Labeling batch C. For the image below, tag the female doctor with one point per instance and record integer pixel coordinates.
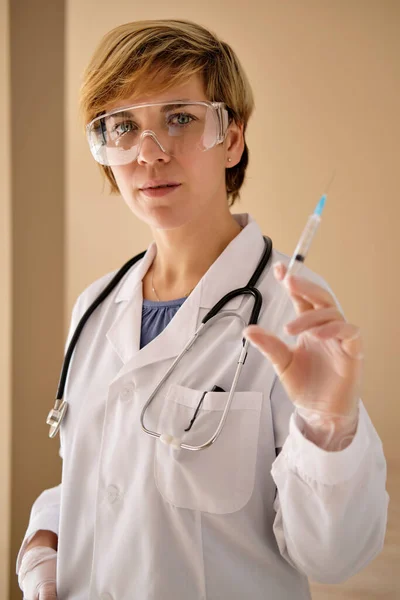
(294, 486)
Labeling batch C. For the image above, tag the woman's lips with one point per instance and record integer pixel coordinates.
(160, 191)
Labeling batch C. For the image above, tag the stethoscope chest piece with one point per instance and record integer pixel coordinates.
(55, 417)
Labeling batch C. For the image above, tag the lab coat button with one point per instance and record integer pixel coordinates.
(127, 391)
(113, 494)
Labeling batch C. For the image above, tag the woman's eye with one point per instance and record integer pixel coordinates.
(123, 127)
(180, 119)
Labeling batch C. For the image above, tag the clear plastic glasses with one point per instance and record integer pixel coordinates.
(178, 127)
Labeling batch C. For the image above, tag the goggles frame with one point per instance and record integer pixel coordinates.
(219, 109)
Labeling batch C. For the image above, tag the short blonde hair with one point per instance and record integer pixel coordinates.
(150, 56)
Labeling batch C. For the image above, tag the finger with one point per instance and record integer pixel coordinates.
(313, 318)
(277, 352)
(349, 336)
(300, 304)
(316, 295)
(279, 271)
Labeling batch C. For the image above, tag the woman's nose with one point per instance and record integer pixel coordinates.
(150, 149)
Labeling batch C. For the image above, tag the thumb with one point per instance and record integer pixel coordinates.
(276, 351)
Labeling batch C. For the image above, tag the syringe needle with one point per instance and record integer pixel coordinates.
(330, 182)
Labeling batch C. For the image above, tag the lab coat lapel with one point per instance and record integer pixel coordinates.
(235, 266)
(124, 333)
(231, 270)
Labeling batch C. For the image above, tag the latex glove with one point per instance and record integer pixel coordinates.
(321, 374)
(37, 574)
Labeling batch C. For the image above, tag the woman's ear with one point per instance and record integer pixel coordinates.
(234, 143)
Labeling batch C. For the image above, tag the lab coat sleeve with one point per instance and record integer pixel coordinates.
(46, 508)
(331, 507)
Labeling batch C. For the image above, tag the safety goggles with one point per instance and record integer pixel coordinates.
(177, 127)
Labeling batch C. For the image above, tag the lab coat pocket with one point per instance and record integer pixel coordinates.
(220, 478)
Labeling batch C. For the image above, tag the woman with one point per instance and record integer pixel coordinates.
(294, 487)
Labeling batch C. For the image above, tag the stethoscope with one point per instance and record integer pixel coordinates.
(57, 414)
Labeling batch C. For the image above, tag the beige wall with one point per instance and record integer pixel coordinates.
(5, 302)
(36, 175)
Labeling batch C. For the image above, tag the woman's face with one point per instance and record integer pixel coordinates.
(200, 174)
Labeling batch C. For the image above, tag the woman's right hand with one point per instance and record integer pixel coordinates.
(37, 575)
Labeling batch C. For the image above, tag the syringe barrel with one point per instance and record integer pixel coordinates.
(306, 238)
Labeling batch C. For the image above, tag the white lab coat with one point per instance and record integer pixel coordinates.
(139, 520)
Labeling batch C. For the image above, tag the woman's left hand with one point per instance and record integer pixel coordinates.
(323, 371)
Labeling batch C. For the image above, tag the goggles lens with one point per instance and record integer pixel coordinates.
(115, 138)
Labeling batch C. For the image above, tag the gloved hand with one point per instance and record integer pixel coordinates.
(37, 574)
(321, 373)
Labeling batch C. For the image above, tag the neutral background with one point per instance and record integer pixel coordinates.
(326, 80)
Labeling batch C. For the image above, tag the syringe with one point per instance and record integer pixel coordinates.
(306, 238)
(298, 258)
